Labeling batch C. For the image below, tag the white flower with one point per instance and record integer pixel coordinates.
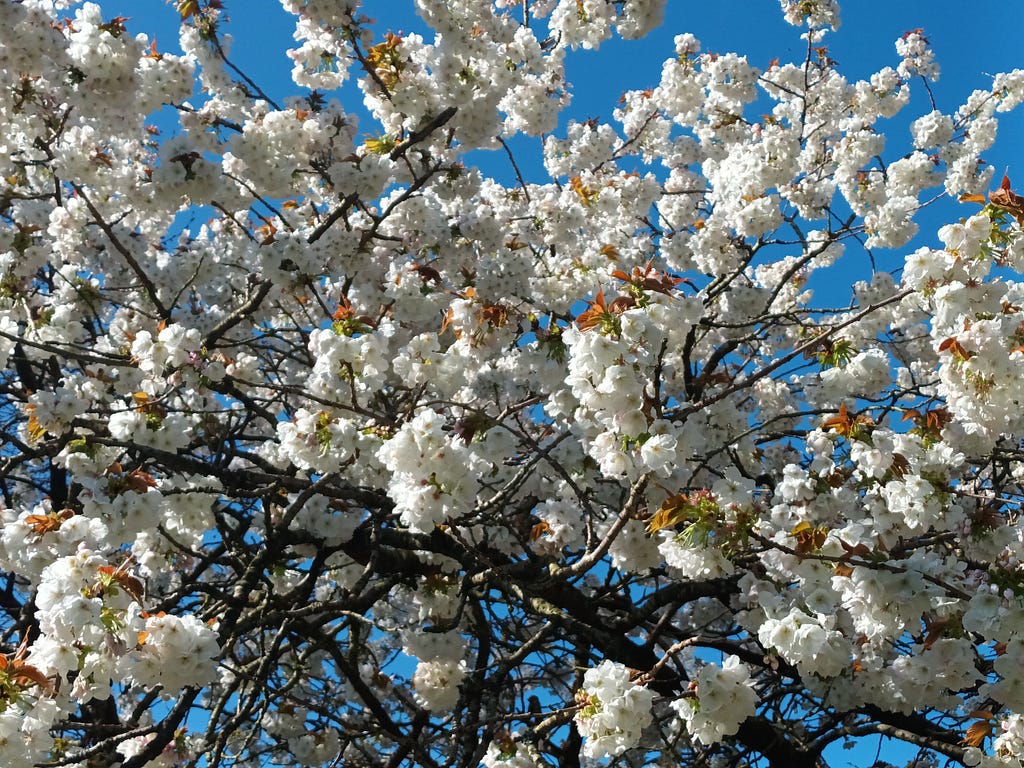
(175, 651)
(659, 451)
(724, 699)
(614, 711)
(437, 683)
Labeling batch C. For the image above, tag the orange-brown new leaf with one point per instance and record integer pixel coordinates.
(979, 730)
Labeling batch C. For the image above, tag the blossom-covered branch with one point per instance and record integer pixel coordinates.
(322, 446)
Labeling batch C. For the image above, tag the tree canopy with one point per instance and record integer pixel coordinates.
(322, 446)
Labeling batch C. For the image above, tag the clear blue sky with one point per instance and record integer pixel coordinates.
(972, 41)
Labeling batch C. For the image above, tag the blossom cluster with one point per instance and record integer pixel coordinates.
(614, 710)
(724, 699)
(323, 446)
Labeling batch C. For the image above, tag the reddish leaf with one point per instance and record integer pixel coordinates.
(188, 8)
(43, 524)
(540, 529)
(980, 730)
(591, 317)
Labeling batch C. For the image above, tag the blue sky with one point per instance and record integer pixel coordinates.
(972, 41)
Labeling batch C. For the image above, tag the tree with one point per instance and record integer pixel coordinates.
(325, 448)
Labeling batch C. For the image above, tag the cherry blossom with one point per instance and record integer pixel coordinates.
(326, 443)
